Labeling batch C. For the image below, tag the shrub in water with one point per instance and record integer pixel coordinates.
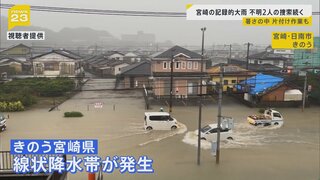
(73, 114)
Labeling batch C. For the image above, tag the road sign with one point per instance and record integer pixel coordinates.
(214, 148)
(302, 73)
(98, 105)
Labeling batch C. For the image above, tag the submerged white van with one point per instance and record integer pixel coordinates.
(159, 121)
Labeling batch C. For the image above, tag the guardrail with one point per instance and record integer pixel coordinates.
(6, 169)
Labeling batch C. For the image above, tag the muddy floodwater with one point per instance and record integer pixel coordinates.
(256, 153)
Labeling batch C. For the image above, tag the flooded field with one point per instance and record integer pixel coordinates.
(287, 152)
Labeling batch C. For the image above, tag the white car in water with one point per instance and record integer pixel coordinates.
(159, 121)
(209, 133)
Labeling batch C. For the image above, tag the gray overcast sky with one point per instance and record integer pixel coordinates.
(178, 30)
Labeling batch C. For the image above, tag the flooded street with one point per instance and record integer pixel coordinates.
(264, 153)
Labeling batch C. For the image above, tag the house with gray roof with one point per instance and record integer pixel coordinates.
(135, 75)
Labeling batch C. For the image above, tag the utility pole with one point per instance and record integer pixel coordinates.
(219, 114)
(304, 91)
(171, 80)
(230, 48)
(200, 98)
(248, 51)
(247, 64)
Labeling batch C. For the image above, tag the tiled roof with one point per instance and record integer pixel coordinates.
(175, 50)
(65, 53)
(142, 68)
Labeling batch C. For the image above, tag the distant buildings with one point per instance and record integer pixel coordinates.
(139, 38)
(109, 64)
(19, 52)
(280, 58)
(309, 59)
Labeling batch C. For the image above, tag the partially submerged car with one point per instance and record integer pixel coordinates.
(269, 117)
(209, 133)
(159, 121)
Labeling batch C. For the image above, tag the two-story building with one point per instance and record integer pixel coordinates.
(186, 73)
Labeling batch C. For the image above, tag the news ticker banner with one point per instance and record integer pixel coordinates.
(90, 164)
(262, 15)
(20, 15)
(277, 21)
(239, 11)
(47, 156)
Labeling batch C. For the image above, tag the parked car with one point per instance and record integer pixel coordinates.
(159, 121)
(209, 133)
(269, 117)
(3, 121)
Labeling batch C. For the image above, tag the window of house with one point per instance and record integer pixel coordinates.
(189, 65)
(233, 81)
(165, 65)
(178, 64)
(225, 82)
(51, 66)
(183, 65)
(195, 65)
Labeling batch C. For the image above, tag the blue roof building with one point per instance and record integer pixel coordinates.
(260, 83)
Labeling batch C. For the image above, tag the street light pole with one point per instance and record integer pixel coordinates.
(200, 98)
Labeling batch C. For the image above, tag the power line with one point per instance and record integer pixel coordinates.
(107, 12)
(100, 12)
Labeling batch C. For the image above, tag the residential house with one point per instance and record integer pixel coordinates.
(135, 75)
(57, 63)
(10, 66)
(111, 68)
(19, 52)
(114, 55)
(308, 58)
(270, 56)
(232, 75)
(132, 57)
(269, 90)
(186, 73)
